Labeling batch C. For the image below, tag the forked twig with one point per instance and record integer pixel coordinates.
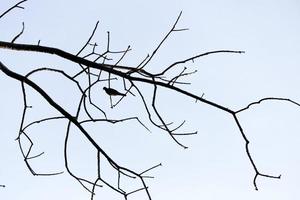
(13, 7)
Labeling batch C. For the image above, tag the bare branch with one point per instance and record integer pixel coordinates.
(38, 155)
(114, 121)
(125, 52)
(13, 7)
(42, 120)
(195, 57)
(174, 80)
(140, 189)
(57, 71)
(165, 127)
(94, 187)
(93, 66)
(88, 41)
(17, 36)
(150, 80)
(155, 166)
(72, 120)
(247, 142)
(163, 40)
(268, 99)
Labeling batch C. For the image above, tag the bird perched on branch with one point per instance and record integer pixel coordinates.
(113, 92)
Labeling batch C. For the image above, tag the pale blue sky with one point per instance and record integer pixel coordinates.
(215, 166)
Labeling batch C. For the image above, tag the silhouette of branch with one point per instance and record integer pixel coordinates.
(57, 71)
(173, 29)
(114, 121)
(149, 79)
(88, 41)
(147, 170)
(165, 126)
(93, 70)
(196, 57)
(42, 120)
(17, 36)
(247, 142)
(267, 99)
(26, 154)
(13, 7)
(72, 120)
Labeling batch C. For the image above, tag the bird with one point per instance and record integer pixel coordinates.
(113, 92)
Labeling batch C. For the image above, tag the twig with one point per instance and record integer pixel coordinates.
(161, 119)
(17, 36)
(155, 166)
(114, 121)
(13, 7)
(163, 40)
(267, 99)
(247, 142)
(88, 41)
(195, 57)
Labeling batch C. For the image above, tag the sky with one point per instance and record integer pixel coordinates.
(215, 166)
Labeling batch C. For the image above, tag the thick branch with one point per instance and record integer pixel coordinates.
(108, 68)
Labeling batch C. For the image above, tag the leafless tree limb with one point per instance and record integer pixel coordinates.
(88, 41)
(13, 7)
(267, 99)
(147, 170)
(196, 57)
(173, 29)
(17, 36)
(110, 69)
(96, 68)
(247, 142)
(114, 121)
(72, 120)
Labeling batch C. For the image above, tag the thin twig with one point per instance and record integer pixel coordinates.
(267, 99)
(13, 7)
(195, 57)
(155, 166)
(21, 32)
(88, 41)
(163, 40)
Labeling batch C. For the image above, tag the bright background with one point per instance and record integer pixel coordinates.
(215, 166)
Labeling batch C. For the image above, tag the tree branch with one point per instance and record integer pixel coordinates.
(13, 7)
(72, 120)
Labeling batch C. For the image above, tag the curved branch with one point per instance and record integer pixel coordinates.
(173, 29)
(247, 142)
(57, 71)
(196, 57)
(19, 34)
(42, 120)
(13, 7)
(268, 99)
(88, 41)
(165, 127)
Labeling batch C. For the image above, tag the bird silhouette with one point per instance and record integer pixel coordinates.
(113, 92)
